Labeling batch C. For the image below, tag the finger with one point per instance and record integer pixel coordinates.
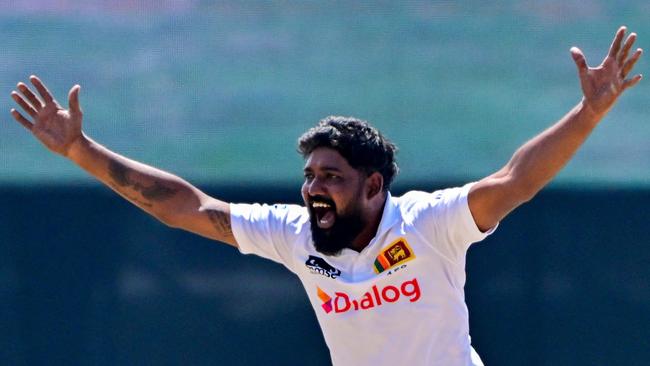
(632, 82)
(31, 97)
(616, 43)
(580, 60)
(24, 104)
(622, 56)
(42, 90)
(22, 120)
(73, 100)
(629, 64)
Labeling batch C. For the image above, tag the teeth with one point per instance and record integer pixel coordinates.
(321, 204)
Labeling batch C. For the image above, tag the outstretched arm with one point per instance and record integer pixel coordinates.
(165, 196)
(536, 162)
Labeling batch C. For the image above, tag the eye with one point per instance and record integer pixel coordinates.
(333, 177)
(309, 177)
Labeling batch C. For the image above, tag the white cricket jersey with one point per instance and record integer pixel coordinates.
(400, 301)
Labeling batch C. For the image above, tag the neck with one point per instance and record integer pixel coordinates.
(370, 229)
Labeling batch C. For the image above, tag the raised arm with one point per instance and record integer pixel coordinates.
(536, 162)
(165, 196)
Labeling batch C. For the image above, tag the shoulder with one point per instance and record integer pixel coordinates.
(414, 203)
(415, 200)
(277, 212)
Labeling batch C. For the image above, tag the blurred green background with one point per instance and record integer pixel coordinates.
(220, 91)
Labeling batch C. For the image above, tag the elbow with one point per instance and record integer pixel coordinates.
(526, 197)
(524, 191)
(521, 189)
(170, 217)
(167, 220)
(178, 213)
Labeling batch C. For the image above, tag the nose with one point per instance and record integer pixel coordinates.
(315, 187)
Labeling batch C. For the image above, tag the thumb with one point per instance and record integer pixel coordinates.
(579, 59)
(73, 99)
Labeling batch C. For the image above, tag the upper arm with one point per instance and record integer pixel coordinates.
(206, 216)
(494, 197)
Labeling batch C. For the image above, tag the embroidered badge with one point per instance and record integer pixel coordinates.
(398, 252)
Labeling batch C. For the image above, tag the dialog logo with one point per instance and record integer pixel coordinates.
(396, 253)
(318, 265)
(342, 302)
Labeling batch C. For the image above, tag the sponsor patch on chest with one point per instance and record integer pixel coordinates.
(343, 302)
(319, 266)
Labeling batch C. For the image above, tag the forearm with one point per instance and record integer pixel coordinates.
(159, 193)
(165, 196)
(531, 167)
(536, 162)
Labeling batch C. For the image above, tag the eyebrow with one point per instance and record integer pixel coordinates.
(325, 168)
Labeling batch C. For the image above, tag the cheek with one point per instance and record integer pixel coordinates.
(359, 200)
(347, 204)
(303, 192)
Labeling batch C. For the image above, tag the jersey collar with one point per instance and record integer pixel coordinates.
(390, 215)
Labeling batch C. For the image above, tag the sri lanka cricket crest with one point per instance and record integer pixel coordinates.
(396, 253)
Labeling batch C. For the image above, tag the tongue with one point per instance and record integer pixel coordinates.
(327, 220)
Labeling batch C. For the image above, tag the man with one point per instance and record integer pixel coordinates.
(372, 265)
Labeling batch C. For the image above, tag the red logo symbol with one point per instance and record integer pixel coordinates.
(327, 300)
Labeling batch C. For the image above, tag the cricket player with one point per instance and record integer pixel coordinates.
(384, 274)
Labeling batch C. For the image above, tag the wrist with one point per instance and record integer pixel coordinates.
(588, 113)
(78, 148)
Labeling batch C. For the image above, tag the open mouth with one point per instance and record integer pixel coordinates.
(325, 213)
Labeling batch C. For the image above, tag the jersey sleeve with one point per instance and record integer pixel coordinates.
(445, 219)
(269, 231)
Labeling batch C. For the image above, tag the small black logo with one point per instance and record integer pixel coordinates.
(318, 265)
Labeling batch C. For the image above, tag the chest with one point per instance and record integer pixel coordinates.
(398, 268)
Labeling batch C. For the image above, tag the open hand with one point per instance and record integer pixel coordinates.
(603, 84)
(55, 127)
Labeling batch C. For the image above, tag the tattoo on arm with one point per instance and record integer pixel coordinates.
(221, 221)
(131, 197)
(156, 192)
(124, 180)
(118, 173)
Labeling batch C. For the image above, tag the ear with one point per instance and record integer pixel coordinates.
(374, 185)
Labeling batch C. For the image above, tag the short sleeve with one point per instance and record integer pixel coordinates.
(269, 231)
(445, 219)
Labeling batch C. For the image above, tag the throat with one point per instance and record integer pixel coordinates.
(368, 233)
(362, 240)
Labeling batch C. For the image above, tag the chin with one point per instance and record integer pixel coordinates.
(340, 236)
(325, 241)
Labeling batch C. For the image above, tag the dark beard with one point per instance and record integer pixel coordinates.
(339, 236)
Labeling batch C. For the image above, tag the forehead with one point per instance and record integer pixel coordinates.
(325, 158)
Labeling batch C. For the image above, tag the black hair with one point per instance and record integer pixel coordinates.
(362, 145)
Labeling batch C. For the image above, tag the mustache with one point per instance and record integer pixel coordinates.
(320, 198)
